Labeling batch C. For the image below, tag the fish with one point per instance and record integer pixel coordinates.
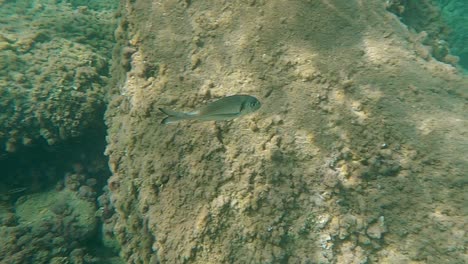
(13, 191)
(226, 108)
(7, 195)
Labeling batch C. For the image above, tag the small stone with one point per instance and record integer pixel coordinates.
(347, 83)
(363, 239)
(27, 141)
(322, 221)
(91, 182)
(8, 219)
(376, 229)
(330, 178)
(86, 192)
(78, 167)
(10, 146)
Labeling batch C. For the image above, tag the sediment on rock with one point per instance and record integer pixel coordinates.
(353, 157)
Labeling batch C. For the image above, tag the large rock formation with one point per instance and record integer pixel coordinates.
(355, 156)
(53, 69)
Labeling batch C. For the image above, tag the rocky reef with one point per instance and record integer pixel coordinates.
(54, 62)
(356, 155)
(54, 69)
(353, 157)
(54, 226)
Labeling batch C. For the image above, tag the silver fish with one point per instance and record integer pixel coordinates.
(225, 108)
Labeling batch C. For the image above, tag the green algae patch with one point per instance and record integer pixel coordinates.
(74, 214)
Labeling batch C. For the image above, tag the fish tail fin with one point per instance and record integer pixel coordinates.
(173, 116)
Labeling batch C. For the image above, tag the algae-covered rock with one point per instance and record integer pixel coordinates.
(46, 227)
(54, 61)
(65, 207)
(356, 155)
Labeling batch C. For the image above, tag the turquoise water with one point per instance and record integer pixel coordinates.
(447, 26)
(454, 13)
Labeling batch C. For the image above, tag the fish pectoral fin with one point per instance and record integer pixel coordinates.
(218, 117)
(174, 116)
(232, 115)
(171, 112)
(171, 120)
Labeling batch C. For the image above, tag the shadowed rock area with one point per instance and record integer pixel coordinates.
(54, 66)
